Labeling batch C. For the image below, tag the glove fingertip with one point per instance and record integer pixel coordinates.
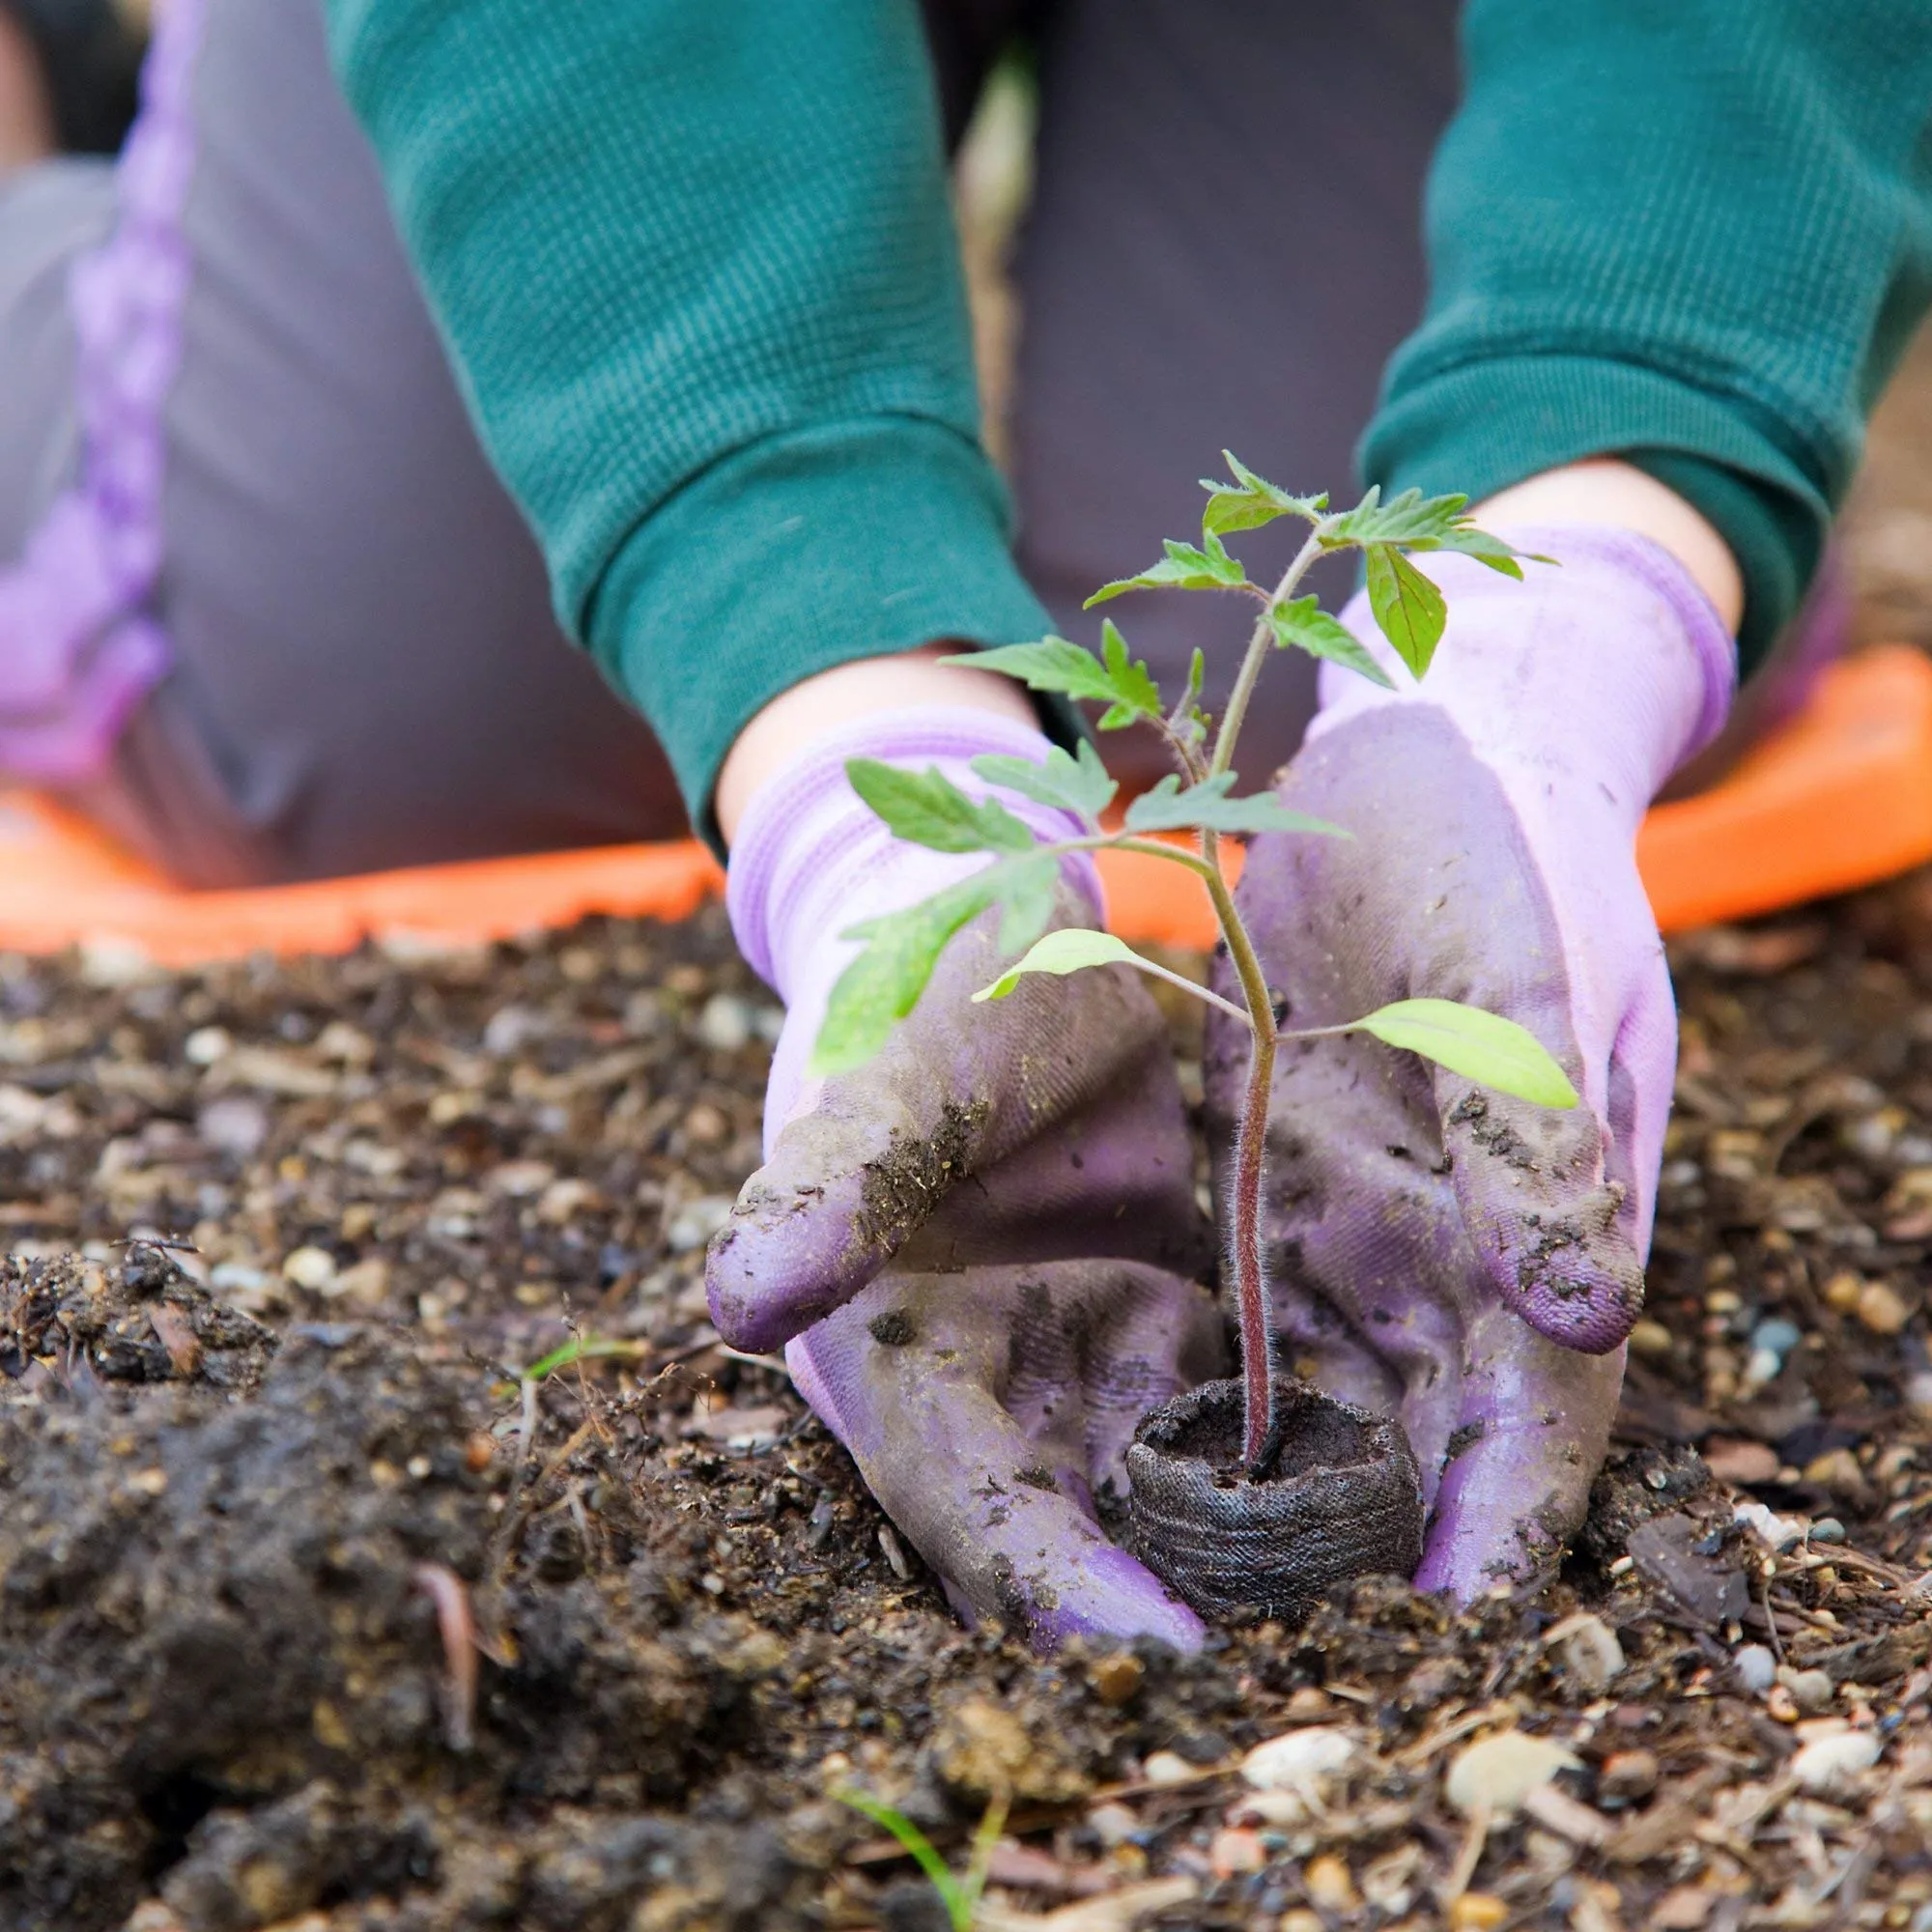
(779, 1264)
(1580, 1297)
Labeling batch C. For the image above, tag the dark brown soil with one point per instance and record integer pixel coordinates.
(233, 1495)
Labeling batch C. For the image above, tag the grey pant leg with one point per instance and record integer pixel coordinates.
(49, 214)
(1223, 250)
(366, 668)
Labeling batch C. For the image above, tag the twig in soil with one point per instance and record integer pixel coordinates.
(1770, 1619)
(1467, 1859)
(447, 1591)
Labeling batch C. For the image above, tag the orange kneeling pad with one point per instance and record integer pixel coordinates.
(1840, 797)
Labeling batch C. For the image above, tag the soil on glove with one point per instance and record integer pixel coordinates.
(319, 1613)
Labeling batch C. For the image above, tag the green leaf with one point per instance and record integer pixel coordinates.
(1252, 503)
(1079, 783)
(927, 809)
(1414, 522)
(1308, 627)
(1064, 951)
(883, 985)
(1057, 665)
(1169, 809)
(1136, 695)
(1408, 607)
(958, 1903)
(1183, 568)
(1482, 1045)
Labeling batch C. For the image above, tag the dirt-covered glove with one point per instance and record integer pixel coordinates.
(1470, 1261)
(979, 1245)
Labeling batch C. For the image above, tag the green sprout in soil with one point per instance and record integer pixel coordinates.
(960, 1895)
(883, 985)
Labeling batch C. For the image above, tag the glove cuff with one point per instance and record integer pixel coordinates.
(812, 859)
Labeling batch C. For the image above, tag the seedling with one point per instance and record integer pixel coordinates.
(885, 981)
(960, 1894)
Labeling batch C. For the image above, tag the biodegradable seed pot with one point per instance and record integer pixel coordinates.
(1337, 1497)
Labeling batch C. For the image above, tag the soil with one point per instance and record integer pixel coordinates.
(273, 1498)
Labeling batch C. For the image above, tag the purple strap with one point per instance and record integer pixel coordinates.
(77, 650)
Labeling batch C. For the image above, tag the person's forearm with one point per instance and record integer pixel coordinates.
(1694, 233)
(697, 273)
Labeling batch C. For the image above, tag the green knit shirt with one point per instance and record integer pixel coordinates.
(695, 267)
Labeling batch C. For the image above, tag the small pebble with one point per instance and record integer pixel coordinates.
(1827, 1529)
(1781, 1704)
(1115, 1677)
(1756, 1668)
(1777, 1336)
(205, 1045)
(1650, 1338)
(1112, 1824)
(1235, 1851)
(1330, 1886)
(1627, 1778)
(725, 1023)
(1310, 1705)
(1843, 1289)
(1828, 1762)
(695, 1222)
(1477, 1912)
(1301, 1767)
(1497, 1774)
(1166, 1767)
(1882, 1308)
(313, 1268)
(1811, 1690)
(1589, 1652)
(1837, 1469)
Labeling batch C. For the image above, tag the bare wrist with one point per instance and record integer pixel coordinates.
(847, 692)
(1606, 491)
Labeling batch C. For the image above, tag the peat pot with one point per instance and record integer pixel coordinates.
(1341, 1498)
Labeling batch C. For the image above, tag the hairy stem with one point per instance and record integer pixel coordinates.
(1260, 642)
(1245, 1206)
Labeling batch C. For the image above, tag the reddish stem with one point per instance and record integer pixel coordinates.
(1257, 1316)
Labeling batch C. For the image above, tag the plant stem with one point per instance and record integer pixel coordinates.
(1246, 1242)
(1260, 642)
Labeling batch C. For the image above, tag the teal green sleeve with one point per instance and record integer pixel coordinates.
(697, 270)
(1694, 233)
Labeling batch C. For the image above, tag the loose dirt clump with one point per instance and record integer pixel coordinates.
(320, 1613)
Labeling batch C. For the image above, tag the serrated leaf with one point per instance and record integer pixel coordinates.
(883, 985)
(1481, 1046)
(1064, 951)
(1408, 607)
(1079, 783)
(1136, 695)
(1304, 624)
(927, 809)
(1058, 665)
(1252, 503)
(1053, 664)
(1182, 568)
(1169, 809)
(1414, 522)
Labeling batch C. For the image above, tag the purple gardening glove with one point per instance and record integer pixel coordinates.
(979, 1247)
(1469, 1260)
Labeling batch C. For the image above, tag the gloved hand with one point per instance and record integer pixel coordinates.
(979, 1247)
(1471, 1260)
